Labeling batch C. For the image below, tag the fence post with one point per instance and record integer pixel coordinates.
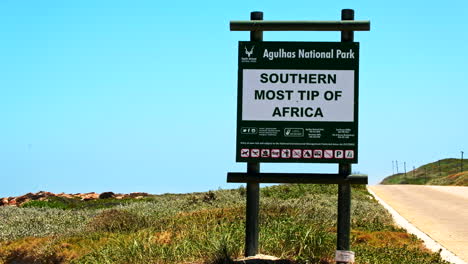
(253, 188)
(344, 189)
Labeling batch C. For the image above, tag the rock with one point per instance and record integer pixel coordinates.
(25, 198)
(262, 259)
(89, 196)
(69, 196)
(43, 196)
(4, 201)
(136, 194)
(106, 195)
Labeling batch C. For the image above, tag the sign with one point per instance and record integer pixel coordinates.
(298, 102)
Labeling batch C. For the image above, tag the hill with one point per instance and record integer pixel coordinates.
(297, 224)
(441, 172)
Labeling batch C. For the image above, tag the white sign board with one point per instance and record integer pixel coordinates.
(298, 95)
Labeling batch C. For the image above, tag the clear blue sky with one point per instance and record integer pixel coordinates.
(129, 96)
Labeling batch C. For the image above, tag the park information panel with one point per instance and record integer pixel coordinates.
(298, 102)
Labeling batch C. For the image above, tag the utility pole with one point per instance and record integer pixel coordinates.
(393, 167)
(414, 171)
(461, 162)
(396, 162)
(440, 169)
(404, 164)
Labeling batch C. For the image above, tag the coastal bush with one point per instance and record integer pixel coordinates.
(297, 222)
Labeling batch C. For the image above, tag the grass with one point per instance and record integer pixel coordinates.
(76, 203)
(297, 222)
(442, 172)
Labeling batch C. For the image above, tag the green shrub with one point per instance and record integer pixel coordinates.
(115, 220)
(40, 222)
(76, 203)
(297, 222)
(54, 202)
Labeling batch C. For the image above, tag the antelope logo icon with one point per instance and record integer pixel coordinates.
(249, 53)
(249, 58)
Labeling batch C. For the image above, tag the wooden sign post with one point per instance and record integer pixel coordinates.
(298, 102)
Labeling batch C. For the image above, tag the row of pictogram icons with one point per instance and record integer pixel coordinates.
(297, 153)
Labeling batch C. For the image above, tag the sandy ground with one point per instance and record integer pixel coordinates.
(441, 212)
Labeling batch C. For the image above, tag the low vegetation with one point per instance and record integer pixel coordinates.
(76, 203)
(442, 172)
(297, 224)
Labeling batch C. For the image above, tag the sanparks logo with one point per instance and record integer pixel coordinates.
(249, 54)
(294, 132)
